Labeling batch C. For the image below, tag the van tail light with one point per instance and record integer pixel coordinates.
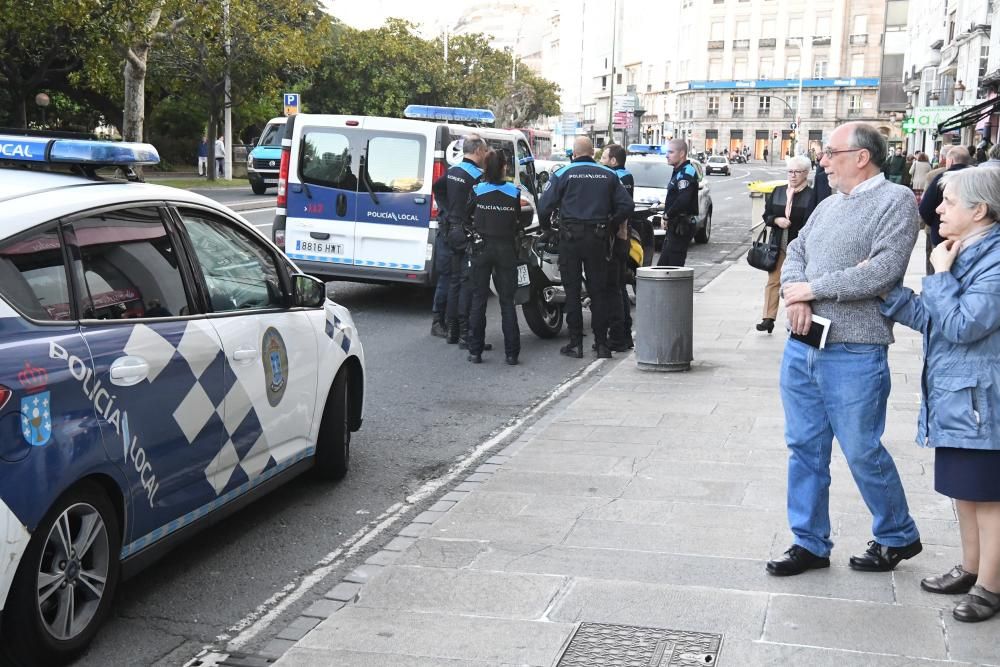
(279, 238)
(5, 395)
(440, 167)
(286, 155)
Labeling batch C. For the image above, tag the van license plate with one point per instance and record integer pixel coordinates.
(320, 246)
(522, 275)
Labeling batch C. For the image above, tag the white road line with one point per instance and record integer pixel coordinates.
(257, 210)
(245, 630)
(263, 224)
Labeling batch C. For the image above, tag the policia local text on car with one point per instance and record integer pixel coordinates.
(592, 203)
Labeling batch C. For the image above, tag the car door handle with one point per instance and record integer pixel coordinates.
(128, 371)
(341, 204)
(245, 355)
(319, 236)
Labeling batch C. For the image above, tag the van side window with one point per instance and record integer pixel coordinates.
(326, 160)
(524, 152)
(33, 276)
(395, 164)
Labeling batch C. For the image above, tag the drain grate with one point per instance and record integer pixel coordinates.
(600, 645)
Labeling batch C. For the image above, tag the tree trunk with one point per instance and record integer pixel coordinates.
(135, 79)
(214, 109)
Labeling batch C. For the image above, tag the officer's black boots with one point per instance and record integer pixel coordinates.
(438, 328)
(475, 358)
(512, 360)
(463, 334)
(603, 351)
(453, 332)
(572, 350)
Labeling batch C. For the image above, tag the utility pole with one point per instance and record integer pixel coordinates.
(228, 106)
(611, 92)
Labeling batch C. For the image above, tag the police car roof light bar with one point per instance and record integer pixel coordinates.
(74, 151)
(449, 114)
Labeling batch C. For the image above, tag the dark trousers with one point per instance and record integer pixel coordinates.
(675, 246)
(459, 292)
(497, 259)
(619, 317)
(442, 264)
(582, 248)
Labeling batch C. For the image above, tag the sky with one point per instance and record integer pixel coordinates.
(372, 13)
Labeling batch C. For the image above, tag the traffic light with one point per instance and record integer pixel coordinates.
(791, 135)
(775, 135)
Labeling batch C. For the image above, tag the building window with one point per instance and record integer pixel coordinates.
(858, 65)
(896, 14)
(618, 78)
(860, 25)
(739, 105)
(822, 26)
(743, 28)
(768, 28)
(718, 31)
(854, 105)
(715, 69)
(792, 108)
(740, 67)
(792, 67)
(817, 105)
(604, 83)
(984, 59)
(764, 105)
(713, 105)
(589, 113)
(795, 26)
(820, 67)
(766, 69)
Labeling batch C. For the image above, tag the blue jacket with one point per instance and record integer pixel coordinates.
(959, 314)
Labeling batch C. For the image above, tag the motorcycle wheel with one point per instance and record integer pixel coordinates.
(544, 319)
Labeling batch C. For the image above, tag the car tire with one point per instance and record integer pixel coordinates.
(333, 445)
(544, 319)
(705, 233)
(258, 188)
(74, 603)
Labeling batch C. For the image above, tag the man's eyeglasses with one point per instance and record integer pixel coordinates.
(830, 152)
(798, 171)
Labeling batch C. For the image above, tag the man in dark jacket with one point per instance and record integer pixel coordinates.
(895, 166)
(821, 186)
(957, 158)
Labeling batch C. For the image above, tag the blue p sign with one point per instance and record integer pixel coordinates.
(291, 103)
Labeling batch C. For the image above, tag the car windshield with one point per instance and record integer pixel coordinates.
(272, 135)
(717, 159)
(650, 174)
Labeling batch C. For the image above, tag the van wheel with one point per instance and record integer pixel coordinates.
(258, 188)
(66, 581)
(333, 446)
(544, 319)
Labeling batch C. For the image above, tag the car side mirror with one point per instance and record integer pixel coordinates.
(307, 292)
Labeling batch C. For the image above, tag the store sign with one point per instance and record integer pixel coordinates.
(928, 118)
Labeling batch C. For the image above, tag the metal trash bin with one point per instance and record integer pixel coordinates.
(758, 189)
(664, 317)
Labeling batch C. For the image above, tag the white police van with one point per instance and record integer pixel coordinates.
(161, 365)
(354, 192)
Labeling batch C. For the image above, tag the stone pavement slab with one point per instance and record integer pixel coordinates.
(654, 500)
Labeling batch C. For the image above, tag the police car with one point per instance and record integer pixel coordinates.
(265, 158)
(354, 192)
(161, 365)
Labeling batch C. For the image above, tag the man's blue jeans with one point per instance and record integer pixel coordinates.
(840, 391)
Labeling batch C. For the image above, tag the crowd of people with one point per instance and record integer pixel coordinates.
(845, 243)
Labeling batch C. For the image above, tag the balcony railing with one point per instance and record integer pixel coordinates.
(716, 45)
(741, 45)
(859, 40)
(763, 113)
(789, 113)
(767, 43)
(737, 113)
(821, 40)
(713, 112)
(853, 112)
(816, 113)
(793, 42)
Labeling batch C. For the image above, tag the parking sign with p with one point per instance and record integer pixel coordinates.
(291, 102)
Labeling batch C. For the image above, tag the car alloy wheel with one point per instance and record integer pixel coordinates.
(73, 571)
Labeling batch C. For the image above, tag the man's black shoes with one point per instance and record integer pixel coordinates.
(572, 350)
(603, 352)
(475, 358)
(796, 561)
(512, 360)
(880, 558)
(439, 330)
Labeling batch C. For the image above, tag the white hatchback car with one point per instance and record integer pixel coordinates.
(162, 364)
(717, 164)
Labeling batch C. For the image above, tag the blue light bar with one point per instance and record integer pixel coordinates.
(76, 151)
(653, 149)
(449, 114)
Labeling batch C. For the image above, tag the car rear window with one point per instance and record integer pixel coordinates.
(327, 160)
(395, 164)
(717, 159)
(650, 174)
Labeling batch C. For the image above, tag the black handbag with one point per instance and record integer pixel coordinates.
(764, 251)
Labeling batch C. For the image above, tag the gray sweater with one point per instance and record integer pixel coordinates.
(878, 224)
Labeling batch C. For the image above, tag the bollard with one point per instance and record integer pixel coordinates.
(664, 313)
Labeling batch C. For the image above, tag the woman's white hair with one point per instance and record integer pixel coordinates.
(799, 163)
(974, 186)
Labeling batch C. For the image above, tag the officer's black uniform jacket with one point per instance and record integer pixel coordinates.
(585, 192)
(452, 192)
(495, 210)
(628, 181)
(682, 192)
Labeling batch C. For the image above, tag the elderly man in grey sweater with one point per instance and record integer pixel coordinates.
(855, 246)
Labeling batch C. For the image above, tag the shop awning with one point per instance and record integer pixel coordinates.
(970, 116)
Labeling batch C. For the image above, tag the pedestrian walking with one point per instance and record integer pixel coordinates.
(680, 208)
(453, 192)
(956, 158)
(592, 202)
(203, 156)
(786, 210)
(895, 166)
(907, 177)
(619, 306)
(855, 246)
(220, 158)
(495, 211)
(958, 312)
(766, 153)
(918, 173)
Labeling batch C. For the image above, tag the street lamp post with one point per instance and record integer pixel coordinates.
(42, 100)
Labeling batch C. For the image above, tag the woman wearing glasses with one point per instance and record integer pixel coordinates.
(786, 210)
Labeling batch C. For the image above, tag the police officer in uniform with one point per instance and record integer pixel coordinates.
(619, 310)
(680, 210)
(495, 212)
(453, 191)
(592, 203)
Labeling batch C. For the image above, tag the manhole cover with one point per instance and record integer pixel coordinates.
(599, 644)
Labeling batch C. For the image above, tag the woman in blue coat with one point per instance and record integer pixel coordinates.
(958, 313)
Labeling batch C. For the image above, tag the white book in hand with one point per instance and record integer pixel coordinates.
(818, 331)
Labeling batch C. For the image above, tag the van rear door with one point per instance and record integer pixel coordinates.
(394, 200)
(323, 193)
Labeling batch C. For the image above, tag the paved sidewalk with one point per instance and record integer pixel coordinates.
(654, 500)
